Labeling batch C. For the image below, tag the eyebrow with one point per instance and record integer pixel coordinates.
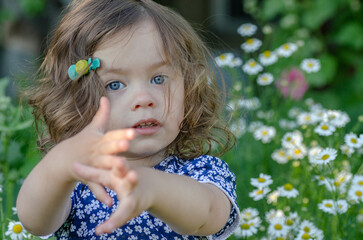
(120, 70)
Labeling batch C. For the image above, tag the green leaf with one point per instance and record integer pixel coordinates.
(326, 73)
(4, 82)
(272, 8)
(351, 35)
(17, 126)
(318, 12)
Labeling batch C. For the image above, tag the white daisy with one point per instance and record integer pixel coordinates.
(16, 231)
(262, 181)
(355, 193)
(249, 104)
(328, 206)
(287, 124)
(224, 59)
(239, 127)
(278, 228)
(247, 29)
(235, 62)
(265, 134)
(272, 214)
(247, 228)
(280, 156)
(251, 45)
(336, 118)
(310, 65)
(267, 58)
(294, 112)
(292, 220)
(325, 129)
(249, 213)
(297, 152)
(259, 194)
(347, 150)
(265, 79)
(342, 206)
(358, 180)
(288, 191)
(272, 197)
(254, 126)
(286, 50)
(352, 140)
(292, 139)
(313, 153)
(251, 67)
(306, 118)
(308, 230)
(321, 180)
(325, 156)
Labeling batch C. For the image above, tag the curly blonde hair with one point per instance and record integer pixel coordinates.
(62, 108)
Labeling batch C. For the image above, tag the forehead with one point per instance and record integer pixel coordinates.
(137, 45)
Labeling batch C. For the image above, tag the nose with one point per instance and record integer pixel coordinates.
(142, 99)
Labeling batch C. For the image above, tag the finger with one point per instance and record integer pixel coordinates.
(113, 147)
(100, 193)
(101, 117)
(90, 174)
(107, 161)
(126, 211)
(120, 169)
(120, 134)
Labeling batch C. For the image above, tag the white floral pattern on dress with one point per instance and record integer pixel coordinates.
(87, 212)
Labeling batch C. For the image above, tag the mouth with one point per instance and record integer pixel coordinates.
(147, 123)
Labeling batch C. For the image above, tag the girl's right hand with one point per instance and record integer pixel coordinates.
(95, 147)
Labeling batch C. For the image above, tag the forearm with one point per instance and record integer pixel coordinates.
(43, 202)
(187, 206)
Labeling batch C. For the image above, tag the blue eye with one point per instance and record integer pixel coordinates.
(114, 86)
(159, 79)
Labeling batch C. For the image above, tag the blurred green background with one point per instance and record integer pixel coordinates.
(332, 31)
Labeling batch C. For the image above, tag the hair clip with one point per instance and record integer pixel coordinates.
(80, 67)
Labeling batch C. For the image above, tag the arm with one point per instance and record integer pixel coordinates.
(44, 199)
(187, 206)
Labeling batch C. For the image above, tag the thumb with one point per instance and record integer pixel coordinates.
(102, 115)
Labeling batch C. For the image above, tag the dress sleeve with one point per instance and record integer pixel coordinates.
(212, 170)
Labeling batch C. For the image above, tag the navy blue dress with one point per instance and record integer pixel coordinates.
(87, 212)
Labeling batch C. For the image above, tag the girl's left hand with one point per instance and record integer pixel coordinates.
(133, 194)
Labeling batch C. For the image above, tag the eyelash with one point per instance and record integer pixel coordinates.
(110, 87)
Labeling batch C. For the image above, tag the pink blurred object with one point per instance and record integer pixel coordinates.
(292, 84)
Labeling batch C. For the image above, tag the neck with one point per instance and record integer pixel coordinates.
(145, 161)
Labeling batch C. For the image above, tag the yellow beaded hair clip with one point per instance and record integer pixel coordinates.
(80, 68)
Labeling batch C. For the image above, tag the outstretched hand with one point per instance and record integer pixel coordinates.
(104, 169)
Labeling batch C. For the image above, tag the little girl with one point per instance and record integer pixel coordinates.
(130, 108)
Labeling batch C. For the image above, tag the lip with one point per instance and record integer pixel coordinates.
(147, 130)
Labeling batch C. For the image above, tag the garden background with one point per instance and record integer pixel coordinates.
(278, 136)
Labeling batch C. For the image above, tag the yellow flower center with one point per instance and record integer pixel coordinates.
(261, 180)
(329, 205)
(325, 157)
(297, 151)
(259, 192)
(17, 228)
(282, 153)
(306, 229)
(264, 132)
(288, 139)
(280, 238)
(305, 236)
(288, 187)
(353, 140)
(358, 193)
(250, 41)
(310, 64)
(337, 184)
(246, 27)
(278, 227)
(322, 178)
(267, 53)
(265, 79)
(245, 226)
(286, 46)
(223, 57)
(360, 183)
(325, 127)
(289, 222)
(253, 63)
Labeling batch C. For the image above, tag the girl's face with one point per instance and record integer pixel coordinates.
(145, 92)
